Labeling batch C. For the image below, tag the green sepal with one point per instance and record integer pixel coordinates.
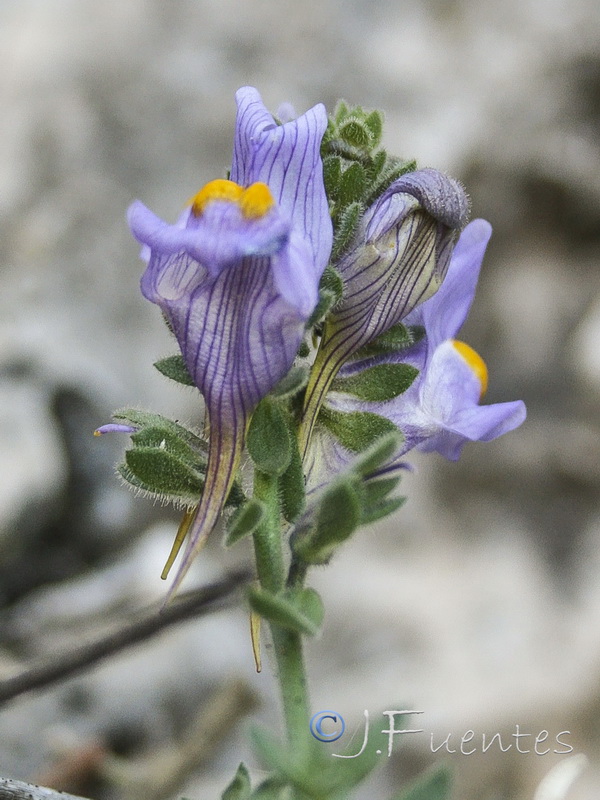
(356, 430)
(268, 438)
(377, 489)
(174, 367)
(146, 419)
(292, 487)
(383, 449)
(245, 521)
(379, 383)
(436, 784)
(377, 511)
(346, 228)
(336, 518)
(162, 438)
(296, 610)
(292, 383)
(162, 473)
(239, 788)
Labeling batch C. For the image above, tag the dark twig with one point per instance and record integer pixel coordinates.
(18, 790)
(150, 623)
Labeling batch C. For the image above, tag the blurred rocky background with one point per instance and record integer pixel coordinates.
(479, 603)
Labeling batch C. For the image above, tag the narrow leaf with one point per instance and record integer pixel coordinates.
(383, 449)
(160, 472)
(358, 430)
(245, 521)
(239, 788)
(379, 383)
(337, 517)
(174, 367)
(286, 610)
(268, 439)
(292, 489)
(380, 510)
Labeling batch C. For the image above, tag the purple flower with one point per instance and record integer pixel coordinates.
(441, 410)
(399, 259)
(237, 277)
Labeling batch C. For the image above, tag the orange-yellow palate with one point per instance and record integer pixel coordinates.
(475, 361)
(254, 201)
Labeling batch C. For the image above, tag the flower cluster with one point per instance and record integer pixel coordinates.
(315, 295)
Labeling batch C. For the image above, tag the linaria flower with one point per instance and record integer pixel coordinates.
(237, 277)
(441, 410)
(398, 259)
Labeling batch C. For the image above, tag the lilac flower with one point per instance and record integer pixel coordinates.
(237, 277)
(441, 411)
(399, 259)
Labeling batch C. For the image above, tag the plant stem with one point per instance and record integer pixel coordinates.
(287, 644)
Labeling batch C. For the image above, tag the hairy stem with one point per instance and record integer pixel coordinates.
(287, 644)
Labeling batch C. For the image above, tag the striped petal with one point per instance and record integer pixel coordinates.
(399, 259)
(238, 278)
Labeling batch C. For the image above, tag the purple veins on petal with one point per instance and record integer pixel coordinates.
(441, 410)
(237, 277)
(398, 260)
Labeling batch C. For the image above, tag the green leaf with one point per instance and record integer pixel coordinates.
(379, 383)
(355, 133)
(174, 368)
(346, 228)
(383, 449)
(352, 185)
(297, 611)
(357, 430)
(434, 785)
(337, 517)
(326, 301)
(245, 521)
(292, 383)
(292, 488)
(374, 124)
(332, 172)
(239, 788)
(162, 473)
(268, 439)
(378, 511)
(377, 489)
(331, 281)
(341, 111)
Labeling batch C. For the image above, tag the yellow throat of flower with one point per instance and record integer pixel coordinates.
(254, 202)
(475, 361)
